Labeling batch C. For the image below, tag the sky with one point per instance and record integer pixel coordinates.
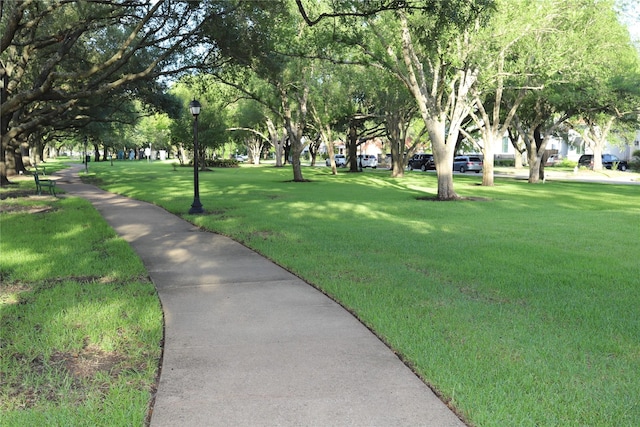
(629, 14)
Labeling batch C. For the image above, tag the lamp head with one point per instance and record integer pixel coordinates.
(194, 106)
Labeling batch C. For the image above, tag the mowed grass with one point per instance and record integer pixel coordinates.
(80, 322)
(520, 306)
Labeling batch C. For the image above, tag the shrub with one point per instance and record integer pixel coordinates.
(634, 164)
(566, 163)
(223, 163)
(505, 162)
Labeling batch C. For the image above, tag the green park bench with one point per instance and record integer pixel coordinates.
(46, 183)
(40, 169)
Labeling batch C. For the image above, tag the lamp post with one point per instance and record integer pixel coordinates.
(86, 161)
(196, 206)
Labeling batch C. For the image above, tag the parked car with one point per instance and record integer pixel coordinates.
(341, 160)
(368, 161)
(467, 163)
(422, 162)
(608, 161)
(241, 158)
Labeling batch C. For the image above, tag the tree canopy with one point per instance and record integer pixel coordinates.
(463, 68)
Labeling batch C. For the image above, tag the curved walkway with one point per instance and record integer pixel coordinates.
(248, 343)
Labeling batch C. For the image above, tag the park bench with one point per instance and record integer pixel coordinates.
(47, 183)
(40, 169)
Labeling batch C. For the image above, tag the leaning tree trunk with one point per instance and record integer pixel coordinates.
(278, 143)
(326, 134)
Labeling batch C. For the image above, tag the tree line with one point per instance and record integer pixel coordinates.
(296, 73)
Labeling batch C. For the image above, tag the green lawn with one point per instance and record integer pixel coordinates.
(80, 322)
(520, 307)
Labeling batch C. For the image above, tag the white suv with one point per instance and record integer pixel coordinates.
(368, 161)
(341, 160)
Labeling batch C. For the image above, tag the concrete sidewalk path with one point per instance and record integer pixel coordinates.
(249, 344)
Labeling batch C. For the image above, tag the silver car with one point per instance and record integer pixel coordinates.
(467, 163)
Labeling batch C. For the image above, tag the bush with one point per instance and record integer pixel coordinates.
(634, 164)
(223, 163)
(566, 163)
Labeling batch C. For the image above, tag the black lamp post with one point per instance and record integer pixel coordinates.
(86, 161)
(196, 206)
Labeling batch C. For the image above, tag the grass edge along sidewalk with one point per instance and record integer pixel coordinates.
(519, 308)
(80, 323)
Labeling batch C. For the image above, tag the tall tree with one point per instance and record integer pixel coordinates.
(334, 102)
(279, 42)
(213, 120)
(398, 112)
(613, 91)
(426, 45)
(585, 52)
(249, 121)
(56, 55)
(506, 64)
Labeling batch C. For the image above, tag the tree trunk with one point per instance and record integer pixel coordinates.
(254, 148)
(332, 162)
(294, 131)
(38, 149)
(443, 152)
(314, 146)
(517, 142)
(397, 160)
(25, 159)
(597, 157)
(517, 159)
(296, 151)
(396, 136)
(96, 152)
(488, 161)
(352, 149)
(327, 137)
(536, 166)
(12, 155)
(595, 137)
(445, 179)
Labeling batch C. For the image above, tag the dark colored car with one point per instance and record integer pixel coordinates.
(608, 162)
(422, 162)
(467, 163)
